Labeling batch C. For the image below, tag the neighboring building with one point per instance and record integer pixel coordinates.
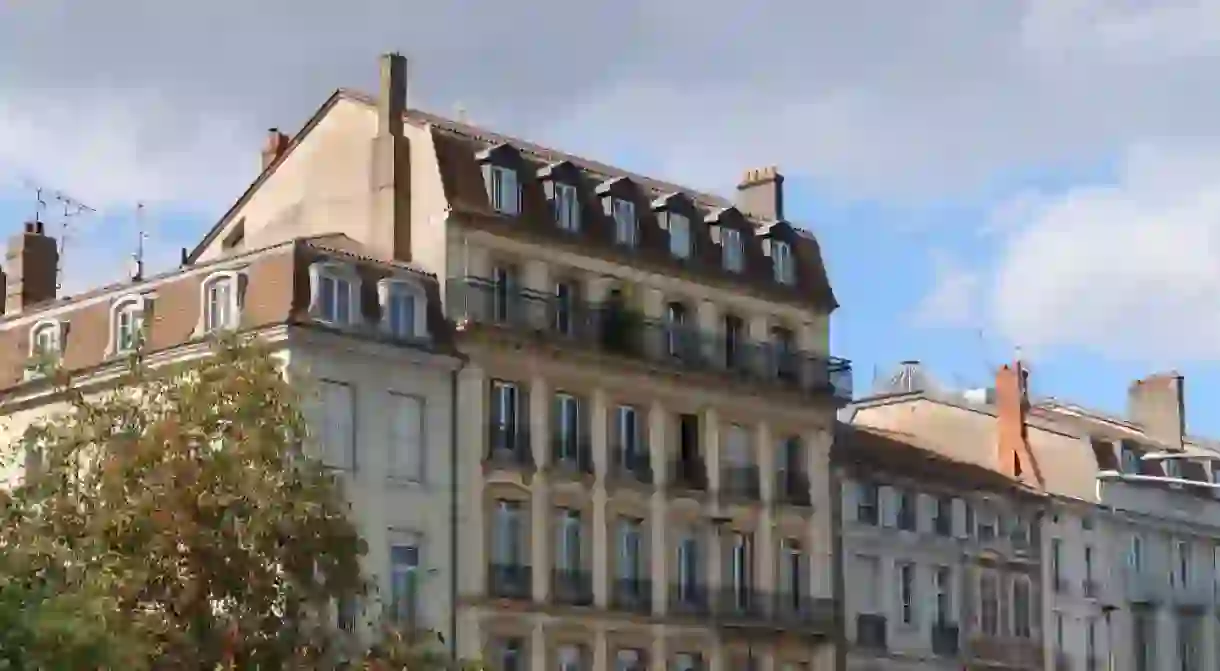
(1130, 539)
(941, 559)
(648, 403)
(367, 333)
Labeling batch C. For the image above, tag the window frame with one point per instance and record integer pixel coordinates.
(684, 251)
(783, 264)
(139, 305)
(236, 300)
(566, 205)
(732, 249)
(497, 187)
(626, 222)
(390, 288)
(337, 272)
(395, 470)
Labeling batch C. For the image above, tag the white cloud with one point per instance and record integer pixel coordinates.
(1131, 269)
(871, 96)
(953, 300)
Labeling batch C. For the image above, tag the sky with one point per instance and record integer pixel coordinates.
(988, 179)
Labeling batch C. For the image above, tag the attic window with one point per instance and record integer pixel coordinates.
(679, 235)
(503, 189)
(733, 251)
(782, 263)
(127, 324)
(565, 202)
(625, 225)
(221, 301)
(334, 294)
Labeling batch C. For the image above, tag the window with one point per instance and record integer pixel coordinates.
(734, 338)
(906, 592)
(512, 655)
(1173, 469)
(629, 659)
(783, 348)
(1021, 611)
(1090, 587)
(504, 294)
(503, 190)
(406, 447)
(675, 329)
(989, 604)
(625, 227)
(986, 518)
(782, 262)
(346, 610)
(688, 567)
(568, 541)
(220, 305)
(943, 523)
(338, 428)
(565, 305)
(404, 579)
(792, 563)
(336, 292)
(567, 207)
(45, 340)
(688, 661)
(1057, 564)
(1058, 631)
(570, 658)
(1181, 552)
(508, 534)
(128, 325)
(679, 236)
(733, 250)
(869, 504)
(630, 550)
(943, 583)
(869, 570)
(509, 417)
(1090, 639)
(626, 435)
(1131, 460)
(567, 425)
(399, 306)
(737, 446)
(688, 438)
(1135, 555)
(907, 518)
(741, 567)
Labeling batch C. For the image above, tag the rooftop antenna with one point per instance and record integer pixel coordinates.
(72, 208)
(137, 260)
(40, 203)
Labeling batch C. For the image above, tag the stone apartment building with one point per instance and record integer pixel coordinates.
(625, 467)
(1131, 529)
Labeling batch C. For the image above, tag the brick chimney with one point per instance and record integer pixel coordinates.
(1013, 454)
(274, 148)
(761, 194)
(390, 172)
(1158, 404)
(33, 268)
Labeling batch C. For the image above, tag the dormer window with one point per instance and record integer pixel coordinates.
(127, 325)
(1130, 460)
(221, 302)
(403, 308)
(1173, 469)
(566, 205)
(503, 189)
(45, 340)
(733, 250)
(782, 263)
(679, 235)
(334, 294)
(625, 226)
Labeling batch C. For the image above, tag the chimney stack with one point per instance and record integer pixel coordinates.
(761, 194)
(1013, 454)
(33, 269)
(1158, 404)
(390, 172)
(274, 148)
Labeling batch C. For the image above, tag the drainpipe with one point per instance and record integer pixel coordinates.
(453, 509)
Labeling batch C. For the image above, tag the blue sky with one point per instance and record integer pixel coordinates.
(982, 176)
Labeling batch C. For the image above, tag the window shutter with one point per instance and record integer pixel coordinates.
(959, 519)
(926, 507)
(851, 502)
(887, 501)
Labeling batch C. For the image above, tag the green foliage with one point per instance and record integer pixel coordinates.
(175, 522)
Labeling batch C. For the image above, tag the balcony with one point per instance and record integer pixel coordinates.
(571, 455)
(797, 611)
(870, 631)
(740, 605)
(792, 488)
(632, 595)
(946, 641)
(571, 587)
(473, 302)
(688, 474)
(688, 599)
(632, 466)
(509, 448)
(510, 581)
(1022, 653)
(740, 483)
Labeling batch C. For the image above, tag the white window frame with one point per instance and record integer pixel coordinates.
(989, 576)
(237, 299)
(733, 251)
(567, 206)
(347, 460)
(569, 657)
(139, 306)
(782, 262)
(416, 472)
(679, 222)
(504, 189)
(337, 271)
(409, 540)
(626, 222)
(393, 287)
(1022, 629)
(906, 593)
(56, 330)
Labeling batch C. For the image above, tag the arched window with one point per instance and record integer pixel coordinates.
(222, 301)
(403, 308)
(127, 324)
(335, 294)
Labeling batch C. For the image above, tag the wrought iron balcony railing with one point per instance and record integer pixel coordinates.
(572, 454)
(510, 581)
(509, 447)
(792, 488)
(616, 330)
(740, 482)
(688, 598)
(572, 587)
(635, 464)
(688, 474)
(946, 640)
(632, 595)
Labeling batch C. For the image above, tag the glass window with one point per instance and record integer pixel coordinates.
(782, 262)
(567, 207)
(733, 250)
(400, 311)
(219, 304)
(503, 190)
(625, 227)
(679, 235)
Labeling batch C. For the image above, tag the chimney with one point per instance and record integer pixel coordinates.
(274, 148)
(390, 172)
(33, 269)
(761, 194)
(1013, 454)
(1158, 404)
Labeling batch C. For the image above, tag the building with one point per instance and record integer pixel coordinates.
(380, 360)
(647, 404)
(941, 558)
(1132, 526)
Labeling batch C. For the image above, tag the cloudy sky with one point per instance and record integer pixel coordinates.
(1040, 174)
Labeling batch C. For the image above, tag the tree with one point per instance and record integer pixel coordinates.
(175, 522)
